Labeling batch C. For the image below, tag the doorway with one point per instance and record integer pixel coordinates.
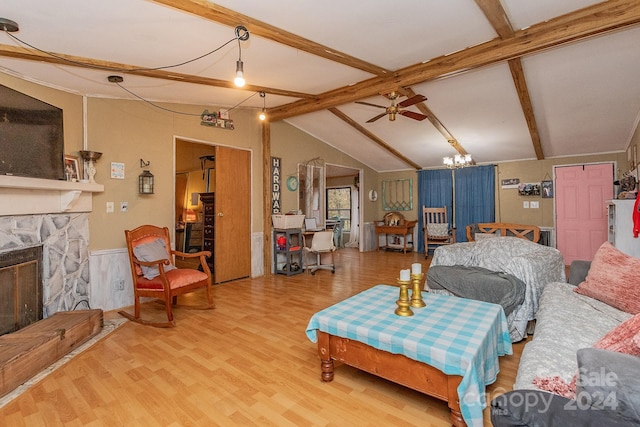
(581, 210)
(224, 172)
(345, 180)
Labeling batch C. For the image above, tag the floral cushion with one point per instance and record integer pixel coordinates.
(614, 278)
(438, 230)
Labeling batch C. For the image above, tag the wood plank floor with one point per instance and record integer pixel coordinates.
(248, 362)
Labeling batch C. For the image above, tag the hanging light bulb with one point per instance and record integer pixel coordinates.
(239, 80)
(263, 113)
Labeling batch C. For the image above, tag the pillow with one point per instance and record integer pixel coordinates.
(622, 338)
(438, 230)
(609, 381)
(152, 251)
(614, 278)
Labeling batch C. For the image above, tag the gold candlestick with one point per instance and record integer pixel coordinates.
(416, 295)
(403, 301)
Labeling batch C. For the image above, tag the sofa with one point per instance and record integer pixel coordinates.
(534, 264)
(582, 366)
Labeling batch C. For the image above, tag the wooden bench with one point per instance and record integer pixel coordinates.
(28, 351)
(529, 232)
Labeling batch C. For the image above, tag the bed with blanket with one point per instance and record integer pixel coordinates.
(520, 262)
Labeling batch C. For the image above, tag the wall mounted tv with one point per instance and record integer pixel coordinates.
(31, 137)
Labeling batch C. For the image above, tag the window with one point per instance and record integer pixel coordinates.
(339, 204)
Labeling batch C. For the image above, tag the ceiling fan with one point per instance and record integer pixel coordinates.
(394, 108)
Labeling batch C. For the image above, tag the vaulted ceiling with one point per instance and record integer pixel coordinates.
(504, 80)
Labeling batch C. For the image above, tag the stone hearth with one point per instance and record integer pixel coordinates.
(65, 257)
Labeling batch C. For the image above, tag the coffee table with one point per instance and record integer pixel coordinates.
(448, 349)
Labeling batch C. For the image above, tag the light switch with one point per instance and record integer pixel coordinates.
(535, 205)
(109, 207)
(525, 205)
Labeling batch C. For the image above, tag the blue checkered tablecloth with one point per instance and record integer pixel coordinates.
(455, 335)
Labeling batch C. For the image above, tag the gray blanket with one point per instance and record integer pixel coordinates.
(479, 284)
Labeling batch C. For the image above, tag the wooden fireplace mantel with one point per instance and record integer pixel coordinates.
(26, 196)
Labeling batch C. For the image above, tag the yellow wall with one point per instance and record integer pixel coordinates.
(126, 131)
(294, 146)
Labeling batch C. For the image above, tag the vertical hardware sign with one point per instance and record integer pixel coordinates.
(276, 175)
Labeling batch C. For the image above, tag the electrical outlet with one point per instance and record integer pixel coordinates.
(124, 206)
(118, 285)
(110, 207)
(525, 205)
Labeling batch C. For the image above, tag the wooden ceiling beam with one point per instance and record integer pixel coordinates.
(435, 121)
(222, 15)
(496, 15)
(119, 68)
(590, 21)
(357, 126)
(517, 72)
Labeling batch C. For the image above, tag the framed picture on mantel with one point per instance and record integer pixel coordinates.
(71, 168)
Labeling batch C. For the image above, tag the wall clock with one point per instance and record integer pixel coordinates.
(373, 195)
(292, 183)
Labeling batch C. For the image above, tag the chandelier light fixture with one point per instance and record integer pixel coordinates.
(458, 161)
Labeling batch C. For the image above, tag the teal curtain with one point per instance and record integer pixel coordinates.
(435, 189)
(474, 197)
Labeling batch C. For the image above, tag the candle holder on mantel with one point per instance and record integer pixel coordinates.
(403, 301)
(416, 295)
(91, 157)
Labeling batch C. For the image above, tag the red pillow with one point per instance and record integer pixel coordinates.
(614, 278)
(621, 338)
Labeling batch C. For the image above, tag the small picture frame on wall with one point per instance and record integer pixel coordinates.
(547, 189)
(71, 168)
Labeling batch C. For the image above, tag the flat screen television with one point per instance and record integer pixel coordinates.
(31, 136)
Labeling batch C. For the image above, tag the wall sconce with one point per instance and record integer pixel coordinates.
(145, 179)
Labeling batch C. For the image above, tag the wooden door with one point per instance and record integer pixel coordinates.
(232, 229)
(581, 211)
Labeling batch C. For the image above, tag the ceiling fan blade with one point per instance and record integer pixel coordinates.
(371, 105)
(413, 100)
(412, 115)
(379, 116)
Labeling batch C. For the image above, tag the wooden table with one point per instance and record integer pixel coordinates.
(403, 230)
(448, 349)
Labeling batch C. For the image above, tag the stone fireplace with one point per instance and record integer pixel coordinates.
(55, 216)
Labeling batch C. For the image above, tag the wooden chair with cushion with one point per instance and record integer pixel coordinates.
(155, 275)
(437, 230)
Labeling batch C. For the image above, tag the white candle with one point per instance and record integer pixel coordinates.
(404, 275)
(416, 268)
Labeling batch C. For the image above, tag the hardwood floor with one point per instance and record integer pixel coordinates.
(247, 362)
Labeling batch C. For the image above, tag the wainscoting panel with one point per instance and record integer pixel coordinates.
(110, 284)
(257, 254)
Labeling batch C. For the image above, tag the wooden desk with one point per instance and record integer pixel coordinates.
(404, 230)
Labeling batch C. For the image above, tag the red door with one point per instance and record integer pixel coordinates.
(581, 211)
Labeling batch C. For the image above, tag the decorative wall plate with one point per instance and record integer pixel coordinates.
(292, 183)
(373, 195)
